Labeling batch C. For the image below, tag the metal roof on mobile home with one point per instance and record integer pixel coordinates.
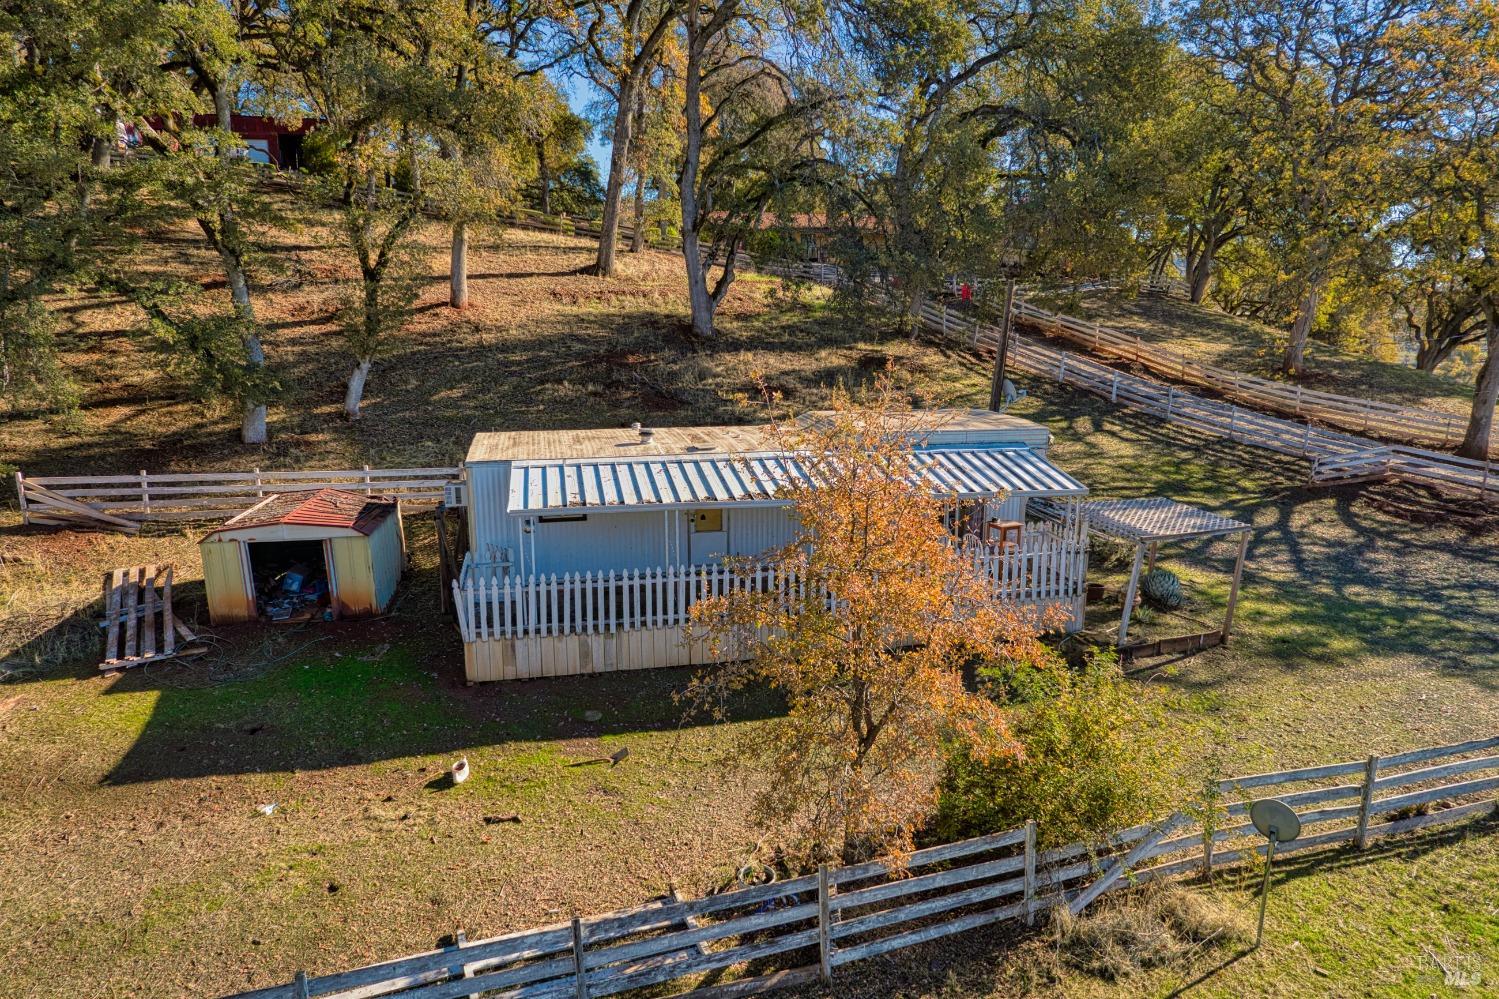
(940, 427)
(761, 479)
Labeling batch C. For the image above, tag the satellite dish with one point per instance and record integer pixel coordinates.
(1279, 824)
(1275, 820)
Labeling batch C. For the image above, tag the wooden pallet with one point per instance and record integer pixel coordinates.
(139, 624)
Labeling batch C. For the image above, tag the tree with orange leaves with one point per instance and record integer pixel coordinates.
(866, 636)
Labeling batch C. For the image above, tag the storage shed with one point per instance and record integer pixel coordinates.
(297, 556)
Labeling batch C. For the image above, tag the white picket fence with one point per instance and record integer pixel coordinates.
(805, 928)
(148, 496)
(1046, 568)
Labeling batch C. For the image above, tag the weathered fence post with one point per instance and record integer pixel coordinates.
(1366, 802)
(824, 924)
(1170, 399)
(580, 971)
(20, 495)
(1030, 872)
(1114, 388)
(368, 484)
(259, 490)
(299, 984)
(145, 492)
(460, 939)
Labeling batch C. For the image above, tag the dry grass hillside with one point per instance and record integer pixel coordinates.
(1206, 334)
(540, 346)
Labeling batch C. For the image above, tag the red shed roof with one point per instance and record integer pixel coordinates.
(321, 508)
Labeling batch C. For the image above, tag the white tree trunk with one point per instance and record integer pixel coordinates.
(458, 268)
(252, 428)
(354, 392)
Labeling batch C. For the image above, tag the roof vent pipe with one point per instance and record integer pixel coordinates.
(646, 433)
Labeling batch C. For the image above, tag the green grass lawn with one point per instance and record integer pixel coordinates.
(1409, 918)
(136, 861)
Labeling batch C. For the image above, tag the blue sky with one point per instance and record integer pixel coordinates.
(580, 93)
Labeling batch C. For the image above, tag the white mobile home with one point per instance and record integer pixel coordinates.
(587, 548)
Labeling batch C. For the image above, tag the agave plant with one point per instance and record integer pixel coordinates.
(1164, 589)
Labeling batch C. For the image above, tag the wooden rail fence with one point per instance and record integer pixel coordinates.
(790, 932)
(1410, 424)
(128, 500)
(1336, 456)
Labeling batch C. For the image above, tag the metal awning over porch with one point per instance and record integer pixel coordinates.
(1148, 523)
(580, 486)
(1157, 518)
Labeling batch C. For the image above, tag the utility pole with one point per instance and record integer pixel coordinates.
(997, 387)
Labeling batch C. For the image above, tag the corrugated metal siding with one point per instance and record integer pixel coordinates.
(388, 559)
(490, 529)
(755, 530)
(1032, 435)
(353, 578)
(618, 540)
(224, 582)
(1012, 508)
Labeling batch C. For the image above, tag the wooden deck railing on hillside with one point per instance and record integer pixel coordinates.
(1165, 286)
(1411, 424)
(1359, 457)
(796, 931)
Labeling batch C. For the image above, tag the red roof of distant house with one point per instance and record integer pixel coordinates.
(323, 508)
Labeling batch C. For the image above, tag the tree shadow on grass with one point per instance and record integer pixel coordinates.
(1328, 578)
(316, 696)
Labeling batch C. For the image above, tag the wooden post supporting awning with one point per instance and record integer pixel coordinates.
(1147, 523)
